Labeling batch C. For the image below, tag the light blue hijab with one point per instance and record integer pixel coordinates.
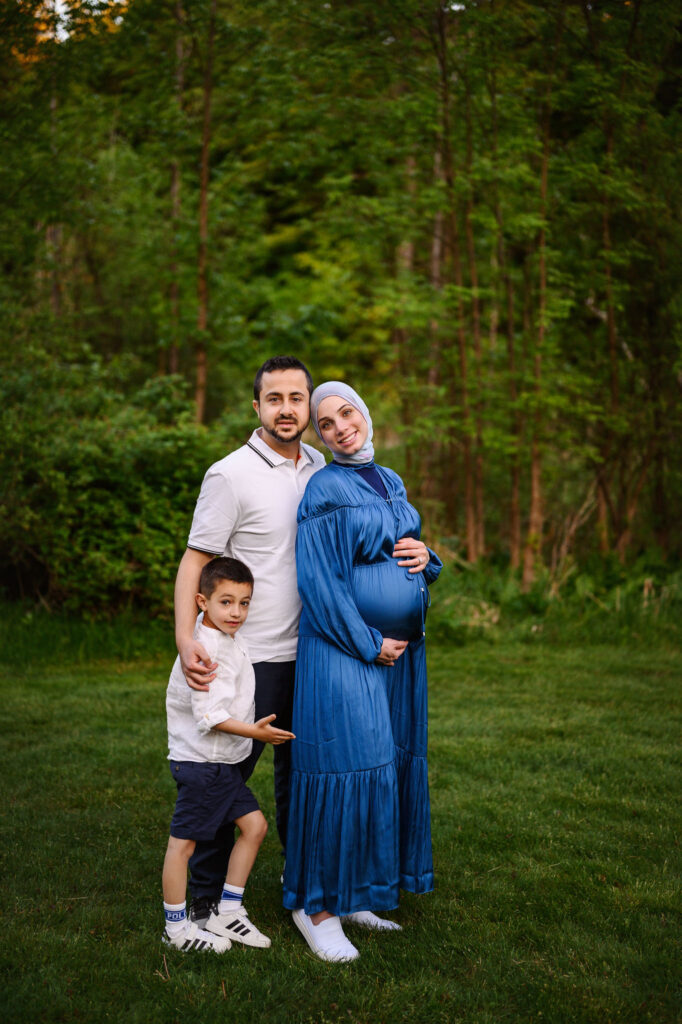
(336, 387)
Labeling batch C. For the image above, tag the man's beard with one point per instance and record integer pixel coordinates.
(278, 437)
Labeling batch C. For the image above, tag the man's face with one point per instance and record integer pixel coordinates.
(284, 404)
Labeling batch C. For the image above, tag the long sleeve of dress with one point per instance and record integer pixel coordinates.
(324, 560)
(433, 568)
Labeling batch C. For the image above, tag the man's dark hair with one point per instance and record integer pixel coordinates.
(223, 568)
(280, 363)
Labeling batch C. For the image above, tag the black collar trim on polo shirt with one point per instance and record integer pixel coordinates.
(273, 464)
(263, 457)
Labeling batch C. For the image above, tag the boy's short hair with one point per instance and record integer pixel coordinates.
(280, 363)
(223, 568)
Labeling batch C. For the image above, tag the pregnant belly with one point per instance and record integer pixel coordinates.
(391, 599)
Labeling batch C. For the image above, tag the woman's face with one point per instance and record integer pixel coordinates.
(343, 428)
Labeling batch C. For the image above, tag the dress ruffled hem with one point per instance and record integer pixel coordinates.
(416, 857)
(419, 886)
(343, 843)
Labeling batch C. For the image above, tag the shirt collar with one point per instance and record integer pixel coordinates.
(269, 455)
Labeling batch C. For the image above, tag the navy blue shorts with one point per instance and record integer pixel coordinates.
(209, 796)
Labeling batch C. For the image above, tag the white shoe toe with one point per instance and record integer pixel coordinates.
(195, 938)
(326, 939)
(237, 927)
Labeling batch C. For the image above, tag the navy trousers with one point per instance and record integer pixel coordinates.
(274, 696)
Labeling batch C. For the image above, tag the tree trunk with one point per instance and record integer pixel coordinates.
(609, 126)
(533, 547)
(53, 232)
(625, 538)
(502, 281)
(602, 518)
(176, 201)
(401, 339)
(434, 467)
(436, 276)
(517, 431)
(566, 538)
(476, 329)
(202, 283)
(454, 246)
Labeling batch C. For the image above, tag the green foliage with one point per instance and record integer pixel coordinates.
(598, 602)
(332, 224)
(99, 480)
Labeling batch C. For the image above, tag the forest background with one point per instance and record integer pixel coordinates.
(470, 211)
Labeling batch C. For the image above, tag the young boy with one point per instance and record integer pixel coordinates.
(209, 733)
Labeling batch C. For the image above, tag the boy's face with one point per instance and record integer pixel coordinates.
(227, 607)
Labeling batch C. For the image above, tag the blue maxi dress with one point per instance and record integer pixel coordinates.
(359, 816)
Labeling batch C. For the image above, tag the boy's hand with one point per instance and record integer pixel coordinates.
(266, 733)
(197, 666)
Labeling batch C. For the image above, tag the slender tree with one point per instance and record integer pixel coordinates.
(533, 544)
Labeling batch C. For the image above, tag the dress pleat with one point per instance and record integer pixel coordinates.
(362, 870)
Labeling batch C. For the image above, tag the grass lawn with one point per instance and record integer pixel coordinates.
(555, 780)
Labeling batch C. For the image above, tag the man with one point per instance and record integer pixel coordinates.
(247, 510)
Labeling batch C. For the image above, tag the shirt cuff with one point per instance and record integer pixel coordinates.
(211, 719)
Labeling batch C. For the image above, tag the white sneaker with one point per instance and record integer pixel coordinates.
(326, 939)
(195, 938)
(235, 925)
(366, 919)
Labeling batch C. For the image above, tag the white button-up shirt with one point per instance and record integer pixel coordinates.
(247, 509)
(192, 714)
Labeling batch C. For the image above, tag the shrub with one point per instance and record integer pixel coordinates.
(643, 603)
(97, 486)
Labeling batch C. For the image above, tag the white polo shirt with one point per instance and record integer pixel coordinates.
(247, 509)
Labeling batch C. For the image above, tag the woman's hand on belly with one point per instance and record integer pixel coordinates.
(414, 553)
(390, 651)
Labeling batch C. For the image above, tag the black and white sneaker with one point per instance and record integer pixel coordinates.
(201, 908)
(194, 938)
(235, 925)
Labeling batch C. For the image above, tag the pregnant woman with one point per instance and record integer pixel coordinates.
(359, 818)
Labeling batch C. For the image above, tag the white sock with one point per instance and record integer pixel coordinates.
(368, 919)
(176, 918)
(231, 898)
